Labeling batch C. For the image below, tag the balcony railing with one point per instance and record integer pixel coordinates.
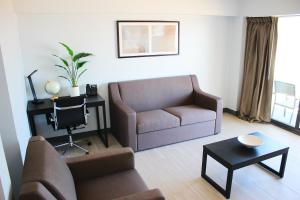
(284, 103)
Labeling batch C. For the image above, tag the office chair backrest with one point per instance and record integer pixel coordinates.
(69, 112)
(285, 88)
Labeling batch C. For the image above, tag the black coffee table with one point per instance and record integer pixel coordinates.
(233, 155)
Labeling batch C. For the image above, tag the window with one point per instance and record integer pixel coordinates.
(286, 87)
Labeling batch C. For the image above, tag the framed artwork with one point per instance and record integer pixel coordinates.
(147, 38)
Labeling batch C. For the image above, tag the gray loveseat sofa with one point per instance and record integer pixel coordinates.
(155, 112)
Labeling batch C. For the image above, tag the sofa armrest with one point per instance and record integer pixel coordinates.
(125, 122)
(122, 117)
(102, 163)
(210, 102)
(154, 194)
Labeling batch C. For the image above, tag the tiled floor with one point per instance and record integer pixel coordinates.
(176, 169)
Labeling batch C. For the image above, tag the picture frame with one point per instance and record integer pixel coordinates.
(147, 38)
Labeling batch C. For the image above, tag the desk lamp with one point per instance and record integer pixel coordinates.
(35, 100)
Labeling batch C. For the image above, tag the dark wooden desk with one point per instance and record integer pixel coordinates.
(47, 108)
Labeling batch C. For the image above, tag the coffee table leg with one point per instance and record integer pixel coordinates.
(229, 183)
(204, 161)
(282, 166)
(225, 192)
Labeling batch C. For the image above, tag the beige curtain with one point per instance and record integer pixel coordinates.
(261, 42)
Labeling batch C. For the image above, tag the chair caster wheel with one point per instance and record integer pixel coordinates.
(89, 143)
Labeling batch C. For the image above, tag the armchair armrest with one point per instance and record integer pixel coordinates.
(154, 194)
(35, 190)
(100, 164)
(210, 102)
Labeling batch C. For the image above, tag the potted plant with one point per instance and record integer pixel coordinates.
(73, 67)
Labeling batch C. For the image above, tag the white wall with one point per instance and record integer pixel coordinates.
(13, 119)
(8, 132)
(4, 174)
(269, 7)
(203, 49)
(14, 70)
(195, 7)
(41, 24)
(234, 69)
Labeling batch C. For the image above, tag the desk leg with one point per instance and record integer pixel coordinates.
(103, 139)
(32, 125)
(98, 118)
(105, 125)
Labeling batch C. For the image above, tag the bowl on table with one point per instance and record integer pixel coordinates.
(250, 141)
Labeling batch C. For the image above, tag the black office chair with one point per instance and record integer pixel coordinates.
(70, 113)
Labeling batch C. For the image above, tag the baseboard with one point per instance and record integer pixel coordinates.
(230, 111)
(285, 127)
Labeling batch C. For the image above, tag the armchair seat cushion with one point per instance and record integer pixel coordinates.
(111, 186)
(191, 114)
(156, 120)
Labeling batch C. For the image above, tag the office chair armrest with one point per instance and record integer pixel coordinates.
(154, 194)
(102, 163)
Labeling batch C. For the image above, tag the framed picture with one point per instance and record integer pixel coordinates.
(147, 38)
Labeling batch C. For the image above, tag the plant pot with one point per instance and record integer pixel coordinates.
(75, 92)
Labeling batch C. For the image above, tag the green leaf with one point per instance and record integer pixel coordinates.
(70, 51)
(81, 55)
(80, 64)
(65, 68)
(60, 66)
(63, 60)
(65, 78)
(81, 74)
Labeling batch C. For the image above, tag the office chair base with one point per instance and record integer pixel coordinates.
(71, 144)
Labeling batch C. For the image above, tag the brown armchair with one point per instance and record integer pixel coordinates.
(106, 175)
(154, 112)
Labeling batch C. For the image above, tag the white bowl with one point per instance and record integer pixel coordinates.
(250, 141)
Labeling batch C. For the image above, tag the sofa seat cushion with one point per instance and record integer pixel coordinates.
(155, 120)
(111, 186)
(191, 114)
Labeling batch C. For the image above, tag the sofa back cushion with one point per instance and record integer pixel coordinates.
(44, 165)
(158, 93)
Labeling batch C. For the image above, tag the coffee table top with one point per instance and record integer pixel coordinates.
(232, 153)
